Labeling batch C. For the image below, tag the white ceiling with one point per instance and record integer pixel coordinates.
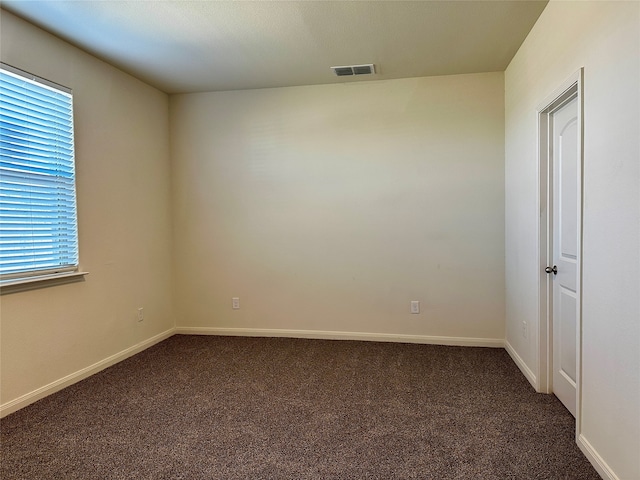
(193, 46)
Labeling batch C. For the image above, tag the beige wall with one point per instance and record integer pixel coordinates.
(328, 208)
(122, 162)
(604, 38)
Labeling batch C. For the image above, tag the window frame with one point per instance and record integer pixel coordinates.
(43, 277)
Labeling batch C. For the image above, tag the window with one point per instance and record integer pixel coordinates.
(38, 222)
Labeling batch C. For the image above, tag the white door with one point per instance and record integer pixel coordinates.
(565, 158)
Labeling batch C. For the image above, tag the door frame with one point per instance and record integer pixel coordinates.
(570, 88)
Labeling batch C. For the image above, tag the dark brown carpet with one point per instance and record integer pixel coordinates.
(272, 408)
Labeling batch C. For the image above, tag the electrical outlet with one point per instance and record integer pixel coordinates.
(415, 306)
(140, 314)
(525, 330)
(235, 303)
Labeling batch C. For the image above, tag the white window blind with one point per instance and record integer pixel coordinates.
(38, 225)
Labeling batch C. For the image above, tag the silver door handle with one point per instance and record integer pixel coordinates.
(554, 270)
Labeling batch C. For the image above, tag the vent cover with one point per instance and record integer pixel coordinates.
(368, 69)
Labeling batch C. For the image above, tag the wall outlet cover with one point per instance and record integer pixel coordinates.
(415, 306)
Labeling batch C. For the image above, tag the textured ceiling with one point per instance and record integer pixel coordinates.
(193, 46)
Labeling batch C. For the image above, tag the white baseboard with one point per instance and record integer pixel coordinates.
(596, 460)
(526, 371)
(332, 335)
(34, 396)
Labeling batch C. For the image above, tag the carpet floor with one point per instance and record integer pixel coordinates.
(201, 407)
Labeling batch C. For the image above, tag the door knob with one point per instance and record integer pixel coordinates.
(554, 270)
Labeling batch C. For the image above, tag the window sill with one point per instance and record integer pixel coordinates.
(32, 283)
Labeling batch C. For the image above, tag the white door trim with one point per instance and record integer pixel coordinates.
(569, 88)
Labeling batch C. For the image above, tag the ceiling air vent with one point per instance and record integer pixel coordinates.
(368, 69)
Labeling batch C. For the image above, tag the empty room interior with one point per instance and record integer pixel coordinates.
(249, 211)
